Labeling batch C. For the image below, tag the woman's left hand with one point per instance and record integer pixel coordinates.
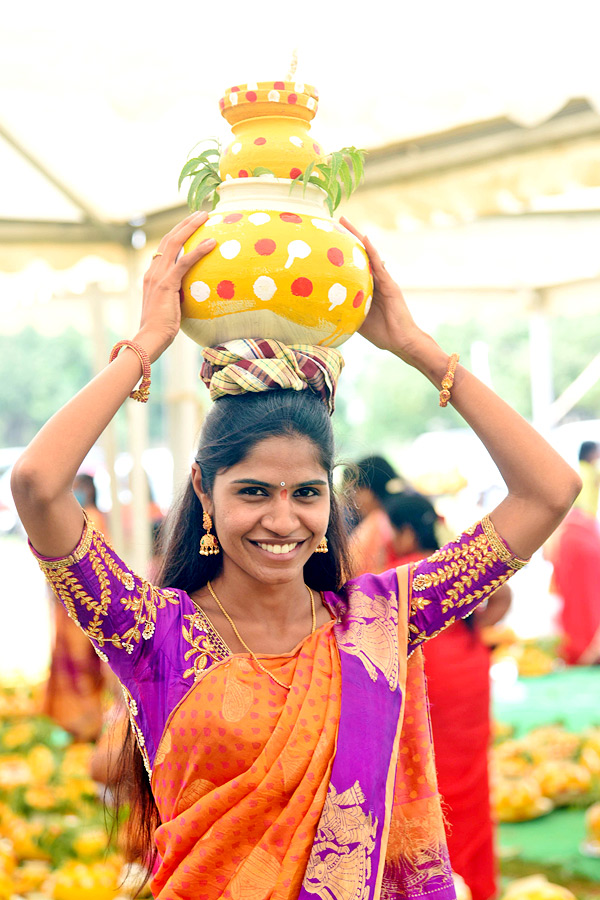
(389, 324)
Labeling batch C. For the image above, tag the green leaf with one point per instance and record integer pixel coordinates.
(357, 157)
(188, 169)
(337, 199)
(261, 170)
(201, 186)
(307, 171)
(346, 177)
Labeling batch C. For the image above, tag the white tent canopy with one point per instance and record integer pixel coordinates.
(99, 109)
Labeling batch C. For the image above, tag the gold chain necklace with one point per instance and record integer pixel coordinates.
(243, 642)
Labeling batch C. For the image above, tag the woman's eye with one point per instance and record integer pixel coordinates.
(306, 492)
(253, 492)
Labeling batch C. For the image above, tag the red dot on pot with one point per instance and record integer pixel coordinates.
(360, 296)
(317, 149)
(279, 85)
(233, 217)
(225, 290)
(292, 98)
(335, 256)
(242, 173)
(251, 96)
(265, 246)
(295, 172)
(302, 287)
(221, 103)
(260, 141)
(290, 217)
(234, 88)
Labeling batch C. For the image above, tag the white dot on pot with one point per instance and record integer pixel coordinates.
(264, 287)
(200, 291)
(230, 249)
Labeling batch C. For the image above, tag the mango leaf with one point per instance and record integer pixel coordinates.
(188, 169)
(334, 170)
(338, 196)
(260, 170)
(203, 185)
(346, 177)
(357, 157)
(307, 172)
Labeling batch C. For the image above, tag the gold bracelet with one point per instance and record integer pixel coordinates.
(143, 392)
(448, 379)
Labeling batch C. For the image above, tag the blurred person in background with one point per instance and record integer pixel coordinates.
(371, 482)
(77, 678)
(589, 470)
(574, 551)
(457, 668)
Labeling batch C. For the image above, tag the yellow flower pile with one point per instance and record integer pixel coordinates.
(548, 767)
(53, 838)
(538, 656)
(536, 887)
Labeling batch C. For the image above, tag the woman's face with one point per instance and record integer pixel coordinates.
(271, 510)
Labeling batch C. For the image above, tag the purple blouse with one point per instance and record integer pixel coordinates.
(158, 642)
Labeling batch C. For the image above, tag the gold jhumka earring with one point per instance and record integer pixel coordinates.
(209, 545)
(322, 547)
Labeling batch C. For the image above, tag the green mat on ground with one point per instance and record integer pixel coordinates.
(552, 840)
(570, 696)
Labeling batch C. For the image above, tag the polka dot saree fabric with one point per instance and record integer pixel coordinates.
(241, 775)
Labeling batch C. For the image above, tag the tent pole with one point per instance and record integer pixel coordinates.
(137, 439)
(108, 439)
(184, 406)
(540, 360)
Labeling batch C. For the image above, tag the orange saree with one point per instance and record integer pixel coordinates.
(245, 766)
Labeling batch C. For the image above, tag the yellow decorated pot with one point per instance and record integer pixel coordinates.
(283, 268)
(270, 122)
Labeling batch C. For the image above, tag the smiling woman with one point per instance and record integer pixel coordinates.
(277, 704)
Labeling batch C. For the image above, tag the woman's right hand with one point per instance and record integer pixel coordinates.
(161, 304)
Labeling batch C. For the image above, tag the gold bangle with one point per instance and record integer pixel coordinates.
(448, 379)
(143, 392)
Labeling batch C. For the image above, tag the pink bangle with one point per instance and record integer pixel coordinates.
(143, 391)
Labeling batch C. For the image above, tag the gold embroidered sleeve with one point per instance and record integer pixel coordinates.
(118, 610)
(453, 581)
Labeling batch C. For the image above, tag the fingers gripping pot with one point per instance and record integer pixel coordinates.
(283, 268)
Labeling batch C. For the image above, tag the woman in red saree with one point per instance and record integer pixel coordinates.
(279, 707)
(457, 668)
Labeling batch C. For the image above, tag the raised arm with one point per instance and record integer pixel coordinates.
(42, 478)
(541, 485)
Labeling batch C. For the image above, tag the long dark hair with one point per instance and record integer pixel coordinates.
(233, 427)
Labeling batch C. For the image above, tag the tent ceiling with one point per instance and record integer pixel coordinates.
(98, 112)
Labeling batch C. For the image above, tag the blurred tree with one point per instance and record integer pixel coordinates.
(388, 404)
(38, 374)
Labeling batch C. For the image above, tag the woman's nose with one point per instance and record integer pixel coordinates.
(281, 516)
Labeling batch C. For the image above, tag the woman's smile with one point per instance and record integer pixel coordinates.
(278, 549)
(271, 510)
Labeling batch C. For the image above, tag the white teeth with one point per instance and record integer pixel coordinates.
(278, 548)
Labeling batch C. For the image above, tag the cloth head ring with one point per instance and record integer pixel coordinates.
(244, 366)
